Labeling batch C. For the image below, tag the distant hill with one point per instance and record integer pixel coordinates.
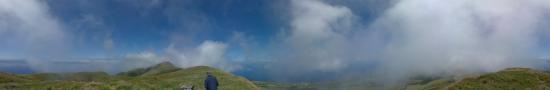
(508, 79)
(164, 67)
(167, 76)
(161, 76)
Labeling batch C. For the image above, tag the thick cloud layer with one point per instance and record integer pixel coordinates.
(434, 36)
(412, 37)
(316, 41)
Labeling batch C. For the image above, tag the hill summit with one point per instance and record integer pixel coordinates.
(163, 67)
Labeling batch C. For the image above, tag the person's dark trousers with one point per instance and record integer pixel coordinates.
(211, 83)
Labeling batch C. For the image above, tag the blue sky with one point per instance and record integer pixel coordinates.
(281, 40)
(150, 25)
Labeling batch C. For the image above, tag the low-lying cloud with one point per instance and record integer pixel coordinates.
(412, 37)
(210, 53)
(434, 36)
(316, 41)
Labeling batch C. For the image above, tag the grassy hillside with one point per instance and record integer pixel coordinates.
(166, 76)
(434, 84)
(509, 79)
(161, 76)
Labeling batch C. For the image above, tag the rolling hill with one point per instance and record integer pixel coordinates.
(167, 76)
(161, 76)
(508, 79)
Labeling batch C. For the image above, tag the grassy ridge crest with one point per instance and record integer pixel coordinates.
(160, 76)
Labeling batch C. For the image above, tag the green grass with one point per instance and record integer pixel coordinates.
(157, 69)
(167, 77)
(163, 76)
(509, 79)
(436, 84)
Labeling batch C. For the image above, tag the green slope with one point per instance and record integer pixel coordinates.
(162, 76)
(195, 76)
(436, 84)
(509, 79)
(10, 78)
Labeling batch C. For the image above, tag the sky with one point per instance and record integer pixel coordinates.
(277, 40)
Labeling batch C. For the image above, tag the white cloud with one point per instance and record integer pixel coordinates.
(26, 27)
(316, 41)
(412, 37)
(209, 53)
(317, 33)
(138, 60)
(465, 36)
(313, 20)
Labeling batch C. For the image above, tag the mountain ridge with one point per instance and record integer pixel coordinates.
(161, 76)
(163, 67)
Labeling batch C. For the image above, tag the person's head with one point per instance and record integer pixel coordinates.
(208, 73)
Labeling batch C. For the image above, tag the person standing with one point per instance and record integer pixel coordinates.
(211, 83)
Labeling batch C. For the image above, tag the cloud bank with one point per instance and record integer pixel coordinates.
(433, 36)
(412, 37)
(316, 41)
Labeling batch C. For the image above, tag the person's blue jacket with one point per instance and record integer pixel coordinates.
(211, 83)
